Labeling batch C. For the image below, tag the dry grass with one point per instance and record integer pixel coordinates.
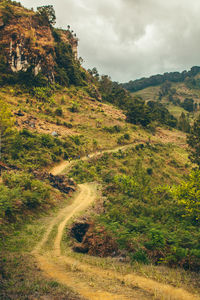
(90, 120)
(178, 278)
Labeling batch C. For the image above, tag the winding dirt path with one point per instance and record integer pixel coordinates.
(93, 283)
(66, 164)
(52, 262)
(162, 135)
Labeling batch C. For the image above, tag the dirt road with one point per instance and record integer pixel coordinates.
(66, 164)
(53, 263)
(93, 283)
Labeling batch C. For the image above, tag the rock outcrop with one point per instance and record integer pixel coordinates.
(27, 41)
(92, 240)
(60, 182)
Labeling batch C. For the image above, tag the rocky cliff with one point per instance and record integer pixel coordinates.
(26, 40)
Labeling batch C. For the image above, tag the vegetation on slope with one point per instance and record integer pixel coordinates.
(21, 193)
(135, 108)
(155, 80)
(43, 45)
(135, 211)
(181, 99)
(43, 123)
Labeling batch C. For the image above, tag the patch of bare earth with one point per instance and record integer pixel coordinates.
(167, 136)
(41, 126)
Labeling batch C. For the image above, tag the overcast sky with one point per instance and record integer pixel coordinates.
(129, 39)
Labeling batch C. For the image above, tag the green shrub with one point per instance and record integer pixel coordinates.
(113, 129)
(153, 224)
(32, 151)
(188, 196)
(140, 256)
(156, 239)
(59, 112)
(68, 125)
(127, 136)
(42, 94)
(75, 107)
(21, 193)
(149, 171)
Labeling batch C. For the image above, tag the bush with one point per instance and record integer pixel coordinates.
(32, 151)
(149, 171)
(127, 136)
(21, 193)
(59, 112)
(113, 129)
(153, 224)
(140, 256)
(188, 196)
(156, 239)
(43, 94)
(68, 125)
(75, 107)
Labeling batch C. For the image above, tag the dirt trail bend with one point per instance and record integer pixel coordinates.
(51, 261)
(83, 200)
(86, 195)
(66, 164)
(92, 282)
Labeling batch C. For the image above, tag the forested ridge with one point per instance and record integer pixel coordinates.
(139, 84)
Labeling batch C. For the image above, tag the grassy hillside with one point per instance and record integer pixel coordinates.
(136, 188)
(145, 214)
(173, 101)
(83, 125)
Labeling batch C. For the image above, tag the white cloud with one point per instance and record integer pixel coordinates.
(128, 39)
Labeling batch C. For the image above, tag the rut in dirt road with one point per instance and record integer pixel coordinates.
(49, 262)
(91, 282)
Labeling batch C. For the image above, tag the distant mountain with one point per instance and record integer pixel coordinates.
(139, 84)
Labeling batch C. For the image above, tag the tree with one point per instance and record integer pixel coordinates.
(158, 112)
(165, 87)
(188, 195)
(138, 112)
(184, 123)
(81, 60)
(188, 104)
(105, 85)
(47, 12)
(68, 70)
(193, 141)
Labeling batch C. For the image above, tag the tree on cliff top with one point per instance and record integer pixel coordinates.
(47, 13)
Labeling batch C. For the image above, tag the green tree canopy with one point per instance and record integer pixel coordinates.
(188, 104)
(184, 123)
(47, 12)
(188, 195)
(137, 112)
(193, 141)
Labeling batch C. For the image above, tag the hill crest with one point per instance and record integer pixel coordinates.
(154, 80)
